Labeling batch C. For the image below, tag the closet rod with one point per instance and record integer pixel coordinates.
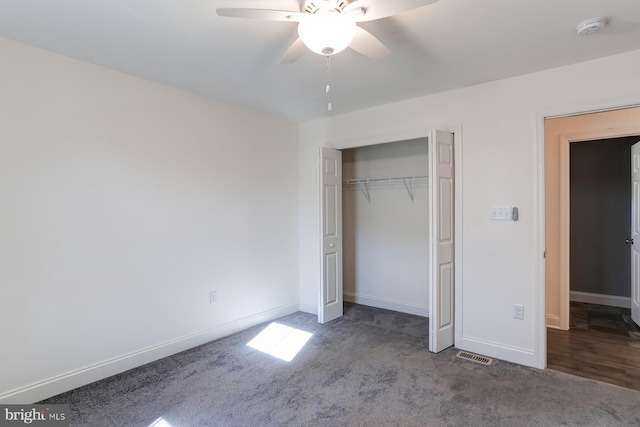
(390, 178)
(362, 184)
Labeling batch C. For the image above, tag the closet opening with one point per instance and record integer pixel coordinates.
(400, 228)
(385, 219)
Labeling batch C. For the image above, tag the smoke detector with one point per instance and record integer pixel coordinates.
(591, 26)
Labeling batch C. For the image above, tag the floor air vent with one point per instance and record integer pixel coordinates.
(474, 358)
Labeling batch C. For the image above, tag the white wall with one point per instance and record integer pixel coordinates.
(124, 203)
(386, 238)
(499, 148)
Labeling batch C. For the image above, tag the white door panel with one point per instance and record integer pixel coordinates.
(330, 298)
(635, 232)
(441, 198)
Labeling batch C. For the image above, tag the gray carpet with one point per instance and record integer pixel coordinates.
(369, 368)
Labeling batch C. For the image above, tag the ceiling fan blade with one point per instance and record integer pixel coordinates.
(266, 14)
(295, 51)
(381, 9)
(368, 45)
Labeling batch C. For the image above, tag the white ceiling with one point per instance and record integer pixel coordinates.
(446, 45)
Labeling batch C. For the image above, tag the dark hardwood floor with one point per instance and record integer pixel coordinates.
(603, 344)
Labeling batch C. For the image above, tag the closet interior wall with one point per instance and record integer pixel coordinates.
(386, 226)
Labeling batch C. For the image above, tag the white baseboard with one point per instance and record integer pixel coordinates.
(610, 300)
(52, 386)
(553, 321)
(513, 354)
(388, 304)
(307, 307)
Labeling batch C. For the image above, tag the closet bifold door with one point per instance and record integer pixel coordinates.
(441, 232)
(330, 298)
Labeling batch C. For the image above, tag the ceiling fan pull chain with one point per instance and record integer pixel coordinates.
(327, 89)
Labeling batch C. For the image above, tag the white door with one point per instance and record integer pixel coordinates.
(635, 232)
(441, 210)
(330, 300)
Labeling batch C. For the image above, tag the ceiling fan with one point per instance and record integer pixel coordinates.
(327, 27)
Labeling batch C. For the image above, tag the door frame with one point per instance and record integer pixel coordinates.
(424, 132)
(565, 205)
(541, 115)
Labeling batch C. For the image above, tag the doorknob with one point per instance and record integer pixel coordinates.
(627, 241)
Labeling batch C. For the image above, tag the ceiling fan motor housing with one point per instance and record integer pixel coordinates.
(312, 6)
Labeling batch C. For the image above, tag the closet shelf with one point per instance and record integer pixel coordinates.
(389, 178)
(362, 183)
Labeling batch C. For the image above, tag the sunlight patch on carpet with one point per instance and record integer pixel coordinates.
(283, 342)
(160, 422)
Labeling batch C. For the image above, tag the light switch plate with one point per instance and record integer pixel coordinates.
(501, 213)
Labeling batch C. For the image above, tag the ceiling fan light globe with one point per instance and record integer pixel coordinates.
(327, 31)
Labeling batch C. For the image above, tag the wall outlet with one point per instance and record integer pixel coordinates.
(213, 297)
(518, 311)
